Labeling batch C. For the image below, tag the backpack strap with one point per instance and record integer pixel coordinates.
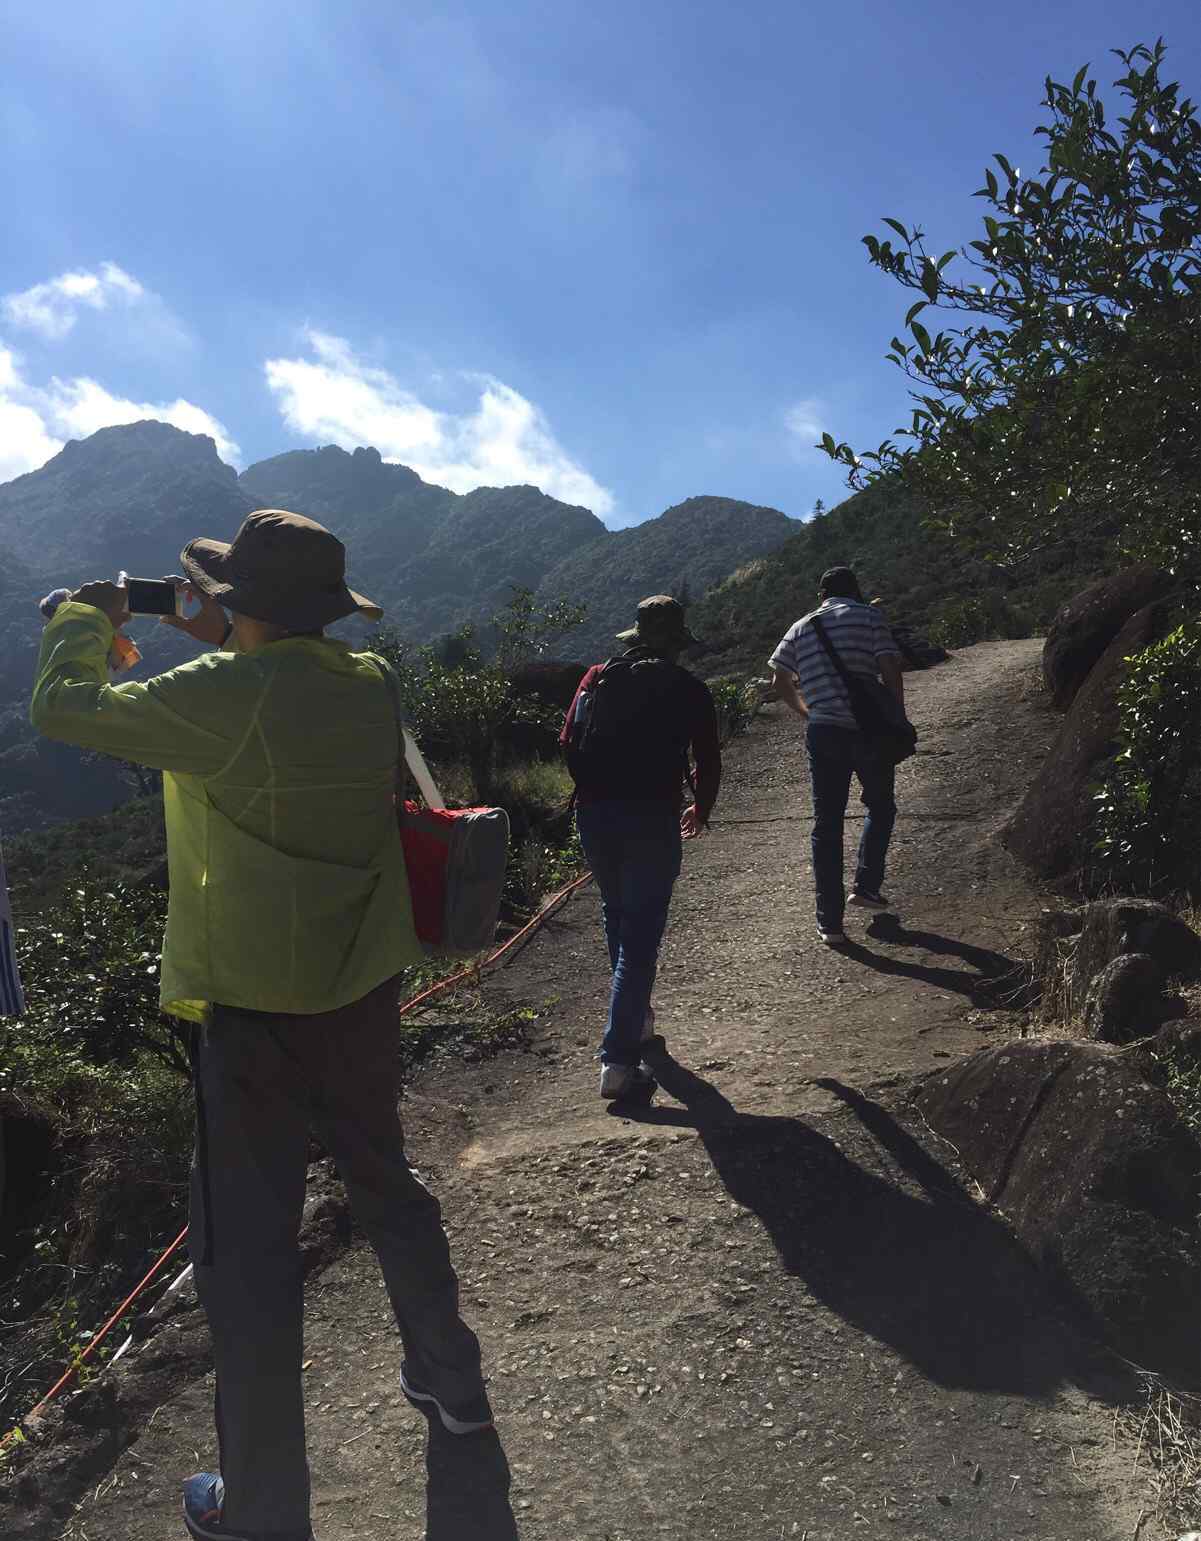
(832, 651)
(409, 759)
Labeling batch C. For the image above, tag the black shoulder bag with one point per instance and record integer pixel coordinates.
(880, 716)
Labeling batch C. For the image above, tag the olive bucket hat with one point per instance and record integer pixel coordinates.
(279, 567)
(660, 623)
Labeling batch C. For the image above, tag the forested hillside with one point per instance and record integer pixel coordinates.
(925, 578)
(433, 558)
(131, 497)
(684, 552)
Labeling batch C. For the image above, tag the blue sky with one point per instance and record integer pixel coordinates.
(611, 248)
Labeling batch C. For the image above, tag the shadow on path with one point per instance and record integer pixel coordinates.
(997, 979)
(467, 1488)
(930, 1273)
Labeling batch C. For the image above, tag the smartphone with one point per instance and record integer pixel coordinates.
(152, 596)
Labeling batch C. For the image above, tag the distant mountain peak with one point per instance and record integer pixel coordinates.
(147, 436)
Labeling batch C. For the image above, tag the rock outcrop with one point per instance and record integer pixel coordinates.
(1100, 1179)
(1089, 622)
(1123, 1002)
(1114, 928)
(1049, 831)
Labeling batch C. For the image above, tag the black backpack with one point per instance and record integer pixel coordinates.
(630, 729)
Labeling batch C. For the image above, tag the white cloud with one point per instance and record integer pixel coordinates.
(79, 407)
(803, 423)
(52, 308)
(334, 397)
(35, 420)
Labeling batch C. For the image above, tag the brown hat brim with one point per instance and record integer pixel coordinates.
(206, 563)
(683, 638)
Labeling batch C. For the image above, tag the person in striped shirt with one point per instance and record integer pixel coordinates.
(809, 684)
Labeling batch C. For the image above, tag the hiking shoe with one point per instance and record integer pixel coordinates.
(626, 1083)
(472, 1417)
(203, 1500)
(831, 938)
(868, 901)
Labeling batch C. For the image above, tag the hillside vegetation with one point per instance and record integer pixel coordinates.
(683, 552)
(923, 575)
(132, 496)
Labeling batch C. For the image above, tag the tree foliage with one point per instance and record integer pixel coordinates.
(91, 973)
(1063, 400)
(459, 702)
(1149, 810)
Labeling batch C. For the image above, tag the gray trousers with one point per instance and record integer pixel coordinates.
(263, 1081)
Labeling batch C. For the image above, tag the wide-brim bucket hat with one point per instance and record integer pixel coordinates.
(660, 623)
(279, 567)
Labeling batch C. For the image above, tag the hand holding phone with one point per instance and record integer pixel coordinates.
(110, 598)
(209, 625)
(152, 596)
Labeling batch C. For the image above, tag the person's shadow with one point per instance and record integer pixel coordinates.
(929, 1272)
(467, 1488)
(996, 981)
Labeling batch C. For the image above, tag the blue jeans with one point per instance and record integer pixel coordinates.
(834, 754)
(634, 851)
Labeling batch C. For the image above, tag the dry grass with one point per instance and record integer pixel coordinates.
(1054, 969)
(543, 785)
(1166, 1441)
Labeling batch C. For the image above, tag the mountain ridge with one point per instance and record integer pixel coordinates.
(133, 495)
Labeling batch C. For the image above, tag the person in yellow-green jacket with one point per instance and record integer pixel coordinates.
(289, 922)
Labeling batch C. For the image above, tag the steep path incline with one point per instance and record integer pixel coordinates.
(771, 1308)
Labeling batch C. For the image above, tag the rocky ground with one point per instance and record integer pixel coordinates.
(771, 1306)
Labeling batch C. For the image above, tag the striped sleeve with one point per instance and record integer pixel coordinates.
(785, 655)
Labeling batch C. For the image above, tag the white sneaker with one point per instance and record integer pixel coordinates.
(831, 938)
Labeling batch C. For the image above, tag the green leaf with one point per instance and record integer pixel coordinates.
(944, 259)
(922, 335)
(895, 224)
(930, 280)
(1005, 166)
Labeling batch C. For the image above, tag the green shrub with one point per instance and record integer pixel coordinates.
(538, 866)
(976, 618)
(1181, 1077)
(1149, 809)
(457, 702)
(90, 968)
(733, 708)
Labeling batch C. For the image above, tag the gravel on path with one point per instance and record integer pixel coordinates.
(770, 1306)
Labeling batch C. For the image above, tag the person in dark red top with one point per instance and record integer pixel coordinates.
(628, 735)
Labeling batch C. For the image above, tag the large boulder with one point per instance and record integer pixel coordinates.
(1100, 1179)
(1049, 831)
(1123, 1002)
(1088, 623)
(1114, 928)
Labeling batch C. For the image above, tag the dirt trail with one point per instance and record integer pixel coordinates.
(769, 1308)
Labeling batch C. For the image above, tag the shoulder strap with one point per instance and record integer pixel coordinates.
(408, 755)
(832, 651)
